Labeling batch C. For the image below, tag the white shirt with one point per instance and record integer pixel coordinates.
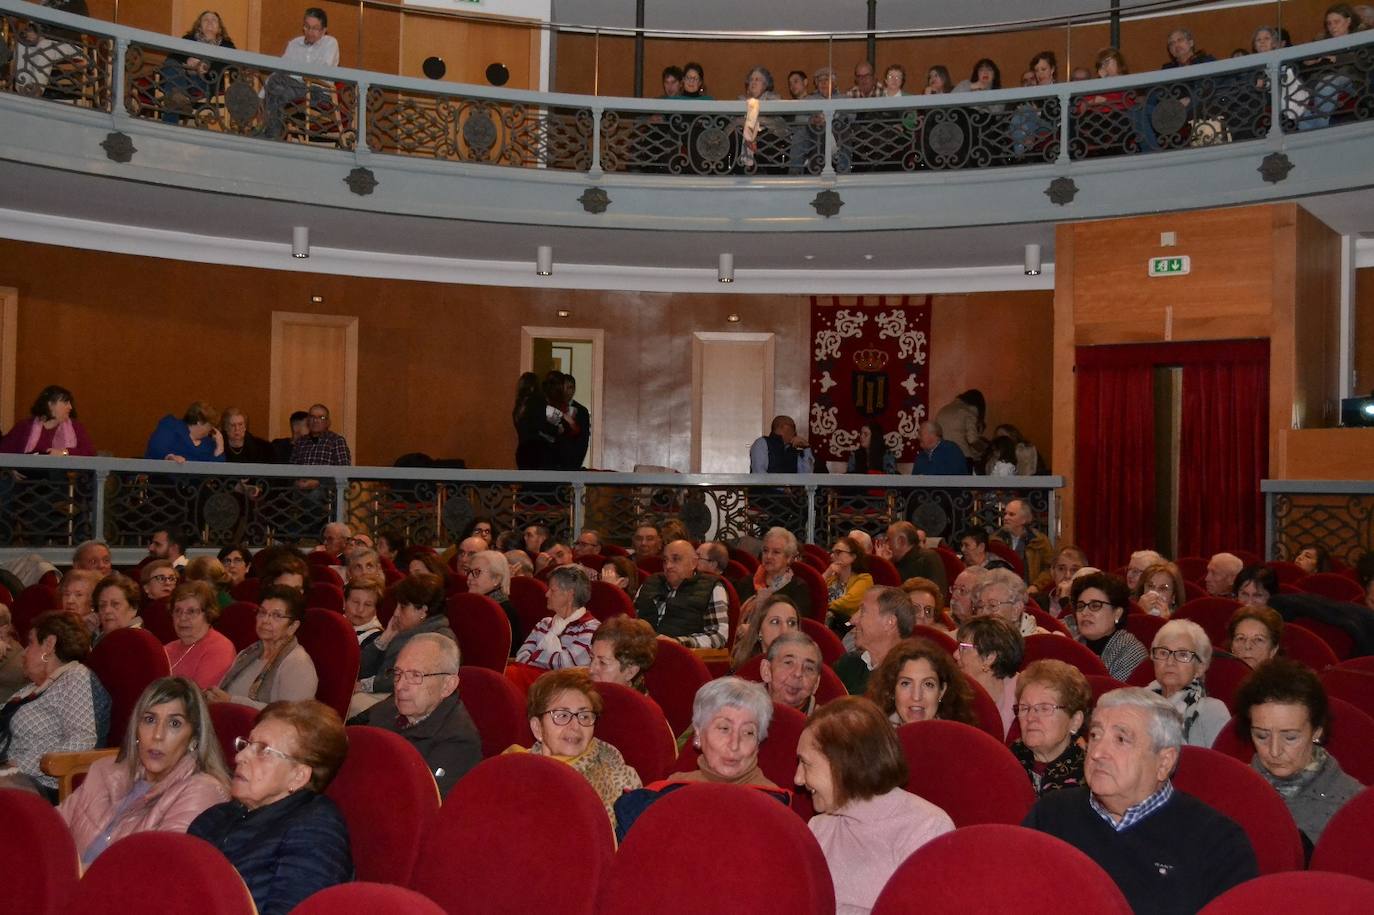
(323, 53)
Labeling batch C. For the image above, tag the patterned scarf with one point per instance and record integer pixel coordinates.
(1292, 785)
(1191, 696)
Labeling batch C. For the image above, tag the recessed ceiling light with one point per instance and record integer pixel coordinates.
(317, 299)
(563, 312)
(868, 257)
(808, 257)
(732, 318)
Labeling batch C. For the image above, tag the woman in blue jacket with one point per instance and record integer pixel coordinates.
(191, 438)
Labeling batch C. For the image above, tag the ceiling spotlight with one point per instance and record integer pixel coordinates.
(317, 300)
(725, 273)
(1032, 260)
(732, 318)
(563, 312)
(868, 257)
(300, 242)
(808, 257)
(543, 260)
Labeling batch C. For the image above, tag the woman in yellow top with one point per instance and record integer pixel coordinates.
(846, 579)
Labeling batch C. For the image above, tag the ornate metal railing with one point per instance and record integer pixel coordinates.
(1336, 515)
(49, 505)
(55, 61)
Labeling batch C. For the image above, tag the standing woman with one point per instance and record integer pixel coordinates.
(191, 438)
(534, 447)
(50, 429)
(872, 455)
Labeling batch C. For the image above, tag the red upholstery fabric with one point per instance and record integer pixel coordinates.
(1347, 842)
(325, 575)
(41, 866)
(6, 597)
(1046, 621)
(119, 882)
(1337, 639)
(317, 558)
(1143, 675)
(1339, 894)
(359, 898)
(985, 708)
(1192, 590)
(384, 825)
(1306, 646)
(1224, 678)
(517, 834)
(239, 623)
(157, 619)
(744, 558)
(231, 720)
(332, 645)
(482, 629)
(832, 649)
(1194, 568)
(1332, 585)
(126, 661)
(32, 602)
(673, 680)
(1238, 791)
(884, 572)
(671, 861)
(820, 598)
(1001, 550)
(962, 872)
(1353, 686)
(971, 775)
(50, 579)
(735, 570)
(1249, 557)
(815, 556)
(326, 595)
(650, 564)
(1365, 663)
(608, 601)
(1351, 739)
(612, 549)
(938, 636)
(496, 707)
(1039, 647)
(246, 590)
(530, 598)
(1100, 685)
(1211, 613)
(1144, 626)
(953, 564)
(1286, 572)
(828, 689)
(634, 724)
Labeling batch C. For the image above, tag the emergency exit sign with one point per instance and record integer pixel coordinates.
(1170, 266)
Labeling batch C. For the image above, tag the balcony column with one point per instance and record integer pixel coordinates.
(639, 48)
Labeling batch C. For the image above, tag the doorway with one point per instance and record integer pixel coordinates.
(314, 360)
(576, 351)
(732, 398)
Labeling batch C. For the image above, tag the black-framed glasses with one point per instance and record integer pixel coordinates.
(1181, 655)
(413, 677)
(562, 716)
(1039, 709)
(1095, 606)
(163, 579)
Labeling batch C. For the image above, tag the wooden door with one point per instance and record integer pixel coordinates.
(315, 360)
(732, 398)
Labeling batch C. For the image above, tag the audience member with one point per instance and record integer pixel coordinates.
(168, 544)
(426, 563)
(11, 656)
(962, 601)
(570, 449)
(1002, 593)
(973, 549)
(191, 438)
(363, 562)
(1139, 562)
(282, 447)
(646, 541)
(774, 574)
(209, 570)
(1161, 589)
(276, 667)
(894, 81)
(1100, 602)
(919, 681)
(95, 556)
(363, 594)
(1222, 570)
(936, 456)
(334, 540)
(623, 650)
(985, 76)
(240, 445)
(1254, 634)
(1255, 584)
(419, 608)
(782, 450)
(683, 605)
(621, 572)
(885, 618)
(519, 563)
(1183, 51)
(865, 86)
(672, 81)
(694, 82)
(489, 575)
(765, 621)
(938, 81)
(872, 454)
(1052, 592)
(990, 651)
(117, 601)
(321, 445)
(906, 550)
(846, 581)
(1052, 703)
(588, 543)
(76, 591)
(925, 601)
(158, 579)
(1182, 652)
(563, 639)
(314, 47)
(1018, 532)
(791, 669)
(200, 653)
(51, 428)
(186, 79)
(796, 84)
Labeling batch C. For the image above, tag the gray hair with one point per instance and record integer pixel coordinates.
(86, 575)
(790, 548)
(517, 560)
(363, 552)
(1186, 33)
(1150, 556)
(1165, 721)
(827, 72)
(1202, 644)
(204, 744)
(498, 566)
(896, 603)
(573, 578)
(1015, 584)
(1273, 33)
(762, 71)
(335, 526)
(733, 692)
(87, 545)
(450, 657)
(792, 637)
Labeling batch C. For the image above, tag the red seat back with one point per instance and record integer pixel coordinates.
(482, 629)
(1304, 645)
(953, 566)
(1347, 842)
(1353, 686)
(815, 556)
(246, 590)
(946, 872)
(1337, 639)
(1040, 647)
(634, 724)
(358, 898)
(1100, 685)
(972, 776)
(744, 558)
(815, 586)
(777, 755)
(497, 709)
(39, 855)
(125, 662)
(384, 826)
(1365, 663)
(985, 710)
(32, 602)
(673, 680)
(1144, 627)
(651, 564)
(1194, 568)
(832, 649)
(1002, 551)
(239, 623)
(530, 598)
(736, 571)
(608, 601)
(613, 549)
(1333, 894)
(231, 720)
(1332, 585)
(1286, 572)
(1046, 620)
(1211, 613)
(118, 881)
(939, 636)
(688, 833)
(884, 572)
(326, 595)
(157, 619)
(1238, 791)
(1224, 677)
(332, 645)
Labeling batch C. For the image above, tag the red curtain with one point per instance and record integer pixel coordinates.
(1224, 449)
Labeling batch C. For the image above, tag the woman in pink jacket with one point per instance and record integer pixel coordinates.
(168, 771)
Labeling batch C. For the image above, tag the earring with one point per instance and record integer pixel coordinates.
(43, 658)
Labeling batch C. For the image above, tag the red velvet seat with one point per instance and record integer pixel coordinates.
(496, 707)
(1193, 591)
(1224, 677)
(317, 558)
(360, 898)
(815, 586)
(673, 680)
(634, 724)
(121, 880)
(614, 549)
(954, 566)
(1211, 613)
(828, 689)
(483, 632)
(1143, 675)
(1364, 663)
(651, 564)
(40, 858)
(1144, 626)
(6, 597)
(962, 872)
(939, 636)
(385, 824)
(608, 601)
(231, 720)
(777, 755)
(1286, 572)
(1235, 789)
(832, 649)
(502, 818)
(1354, 686)
(1347, 842)
(157, 619)
(671, 861)
(1194, 568)
(1350, 739)
(530, 598)
(126, 661)
(737, 571)
(1249, 557)
(971, 775)
(31, 603)
(326, 595)
(592, 562)
(1302, 644)
(815, 556)
(1046, 620)
(239, 623)
(1332, 585)
(884, 572)
(246, 590)
(331, 643)
(1040, 647)
(1100, 685)
(1337, 639)
(1330, 894)
(1002, 551)
(985, 710)
(744, 558)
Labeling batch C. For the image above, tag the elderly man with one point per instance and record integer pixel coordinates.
(1001, 592)
(885, 617)
(865, 85)
(95, 556)
(782, 450)
(646, 541)
(911, 559)
(167, 544)
(321, 445)
(363, 563)
(973, 549)
(1222, 570)
(1167, 851)
(314, 47)
(467, 549)
(520, 565)
(808, 130)
(792, 671)
(683, 604)
(961, 595)
(1019, 533)
(334, 540)
(936, 456)
(714, 557)
(1140, 561)
(588, 543)
(425, 709)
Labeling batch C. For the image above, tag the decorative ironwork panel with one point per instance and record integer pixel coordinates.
(46, 507)
(41, 60)
(675, 142)
(940, 512)
(1324, 91)
(479, 130)
(726, 513)
(962, 136)
(436, 513)
(1340, 523)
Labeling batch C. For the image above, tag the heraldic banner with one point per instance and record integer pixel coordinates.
(870, 363)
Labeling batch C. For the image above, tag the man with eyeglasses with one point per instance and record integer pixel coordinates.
(961, 595)
(588, 543)
(314, 47)
(334, 540)
(425, 709)
(321, 445)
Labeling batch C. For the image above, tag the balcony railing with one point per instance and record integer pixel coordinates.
(1336, 515)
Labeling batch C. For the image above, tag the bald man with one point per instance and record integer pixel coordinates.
(683, 604)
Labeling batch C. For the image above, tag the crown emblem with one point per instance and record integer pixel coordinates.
(870, 360)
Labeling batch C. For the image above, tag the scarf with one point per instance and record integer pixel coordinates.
(751, 776)
(1191, 696)
(1293, 785)
(551, 642)
(64, 436)
(763, 588)
(267, 676)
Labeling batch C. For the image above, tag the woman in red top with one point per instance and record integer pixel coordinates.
(50, 429)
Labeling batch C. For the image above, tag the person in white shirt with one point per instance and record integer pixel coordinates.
(316, 48)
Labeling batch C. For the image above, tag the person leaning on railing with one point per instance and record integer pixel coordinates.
(191, 438)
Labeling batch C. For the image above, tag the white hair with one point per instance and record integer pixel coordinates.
(1015, 584)
(450, 656)
(1202, 644)
(790, 549)
(1165, 722)
(732, 692)
(1150, 557)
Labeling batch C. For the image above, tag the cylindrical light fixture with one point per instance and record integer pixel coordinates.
(543, 260)
(1032, 260)
(725, 273)
(300, 242)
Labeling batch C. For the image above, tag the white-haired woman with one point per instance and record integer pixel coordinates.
(774, 575)
(489, 575)
(1181, 653)
(563, 639)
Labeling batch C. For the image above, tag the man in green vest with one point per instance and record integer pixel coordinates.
(683, 604)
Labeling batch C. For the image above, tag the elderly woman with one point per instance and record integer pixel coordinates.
(866, 822)
(1052, 700)
(990, 651)
(1182, 652)
(237, 562)
(209, 570)
(117, 599)
(362, 596)
(1255, 585)
(50, 429)
(1282, 709)
(158, 579)
(426, 564)
(419, 608)
(77, 594)
(168, 772)
(565, 638)
(11, 656)
(1253, 634)
(1161, 589)
(62, 709)
(562, 707)
(1051, 592)
(276, 668)
(284, 837)
(926, 600)
(774, 575)
(201, 654)
(766, 620)
(623, 649)
(918, 681)
(621, 572)
(1099, 603)
(191, 438)
(489, 575)
(846, 580)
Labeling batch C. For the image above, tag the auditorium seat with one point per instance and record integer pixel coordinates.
(246, 590)
(1354, 686)
(815, 584)
(777, 755)
(231, 721)
(1101, 684)
(613, 549)
(1193, 568)
(884, 572)
(1286, 572)
(1212, 614)
(938, 636)
(1144, 626)
(651, 564)
(983, 868)
(483, 632)
(40, 858)
(1364, 663)
(519, 833)
(126, 661)
(1002, 551)
(1041, 646)
(359, 898)
(608, 601)
(157, 619)
(122, 879)
(814, 555)
(530, 598)
(1241, 793)
(238, 622)
(1046, 620)
(1340, 642)
(710, 848)
(954, 566)
(326, 595)
(985, 710)
(1338, 894)
(387, 795)
(325, 575)
(1302, 644)
(744, 558)
(969, 774)
(1224, 677)
(496, 707)
(832, 649)
(1347, 842)
(673, 680)
(333, 646)
(634, 724)
(1332, 585)
(31, 603)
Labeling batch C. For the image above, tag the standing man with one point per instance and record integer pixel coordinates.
(570, 449)
(782, 450)
(314, 48)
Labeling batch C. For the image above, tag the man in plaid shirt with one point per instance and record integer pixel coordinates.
(321, 446)
(683, 604)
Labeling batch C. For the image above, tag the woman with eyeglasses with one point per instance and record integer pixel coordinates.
(563, 706)
(159, 579)
(117, 599)
(1052, 700)
(168, 771)
(1099, 605)
(1182, 652)
(1253, 634)
(1161, 589)
(489, 575)
(200, 653)
(275, 668)
(846, 580)
(237, 561)
(284, 837)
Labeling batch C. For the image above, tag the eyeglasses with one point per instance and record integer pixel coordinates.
(475, 571)
(562, 716)
(841, 552)
(1039, 709)
(413, 677)
(960, 589)
(317, 419)
(968, 646)
(1094, 606)
(258, 748)
(163, 579)
(994, 604)
(1181, 655)
(268, 615)
(1163, 588)
(1249, 641)
(186, 612)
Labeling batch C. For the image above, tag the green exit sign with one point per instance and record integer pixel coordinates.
(1171, 266)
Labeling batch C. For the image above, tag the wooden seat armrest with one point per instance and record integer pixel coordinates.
(65, 767)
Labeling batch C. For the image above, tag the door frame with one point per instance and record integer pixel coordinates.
(9, 352)
(346, 413)
(597, 336)
(702, 337)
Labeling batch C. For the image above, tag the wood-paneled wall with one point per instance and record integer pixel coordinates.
(1364, 331)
